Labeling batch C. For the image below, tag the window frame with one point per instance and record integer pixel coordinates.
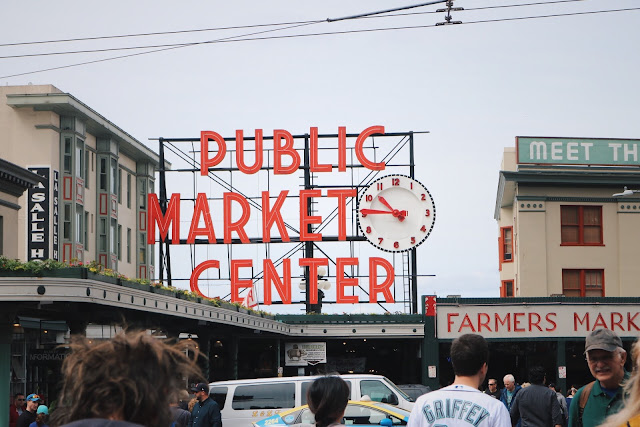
(503, 244)
(583, 287)
(581, 226)
(504, 288)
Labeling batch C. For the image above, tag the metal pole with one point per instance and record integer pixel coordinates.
(414, 255)
(308, 246)
(165, 260)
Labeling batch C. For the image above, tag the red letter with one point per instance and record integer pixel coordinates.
(202, 208)
(279, 150)
(342, 149)
(466, 323)
(506, 320)
(374, 288)
(617, 323)
(548, 317)
(486, 318)
(599, 322)
(576, 319)
(237, 226)
(313, 264)
(516, 322)
(305, 220)
(536, 323)
(342, 281)
(271, 216)
(342, 195)
(195, 275)
(271, 276)
(313, 154)
(630, 322)
(155, 216)
(257, 165)
(205, 161)
(360, 143)
(449, 321)
(236, 282)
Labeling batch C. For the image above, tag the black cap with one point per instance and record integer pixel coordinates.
(200, 387)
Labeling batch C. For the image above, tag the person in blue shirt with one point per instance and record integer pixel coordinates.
(206, 412)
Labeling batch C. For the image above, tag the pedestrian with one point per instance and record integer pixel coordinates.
(179, 417)
(602, 397)
(42, 416)
(629, 416)
(206, 412)
(121, 382)
(510, 390)
(328, 397)
(493, 389)
(462, 403)
(29, 414)
(562, 401)
(183, 400)
(536, 405)
(16, 408)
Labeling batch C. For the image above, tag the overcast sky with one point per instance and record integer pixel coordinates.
(474, 87)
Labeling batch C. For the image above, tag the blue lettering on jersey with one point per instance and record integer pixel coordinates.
(471, 412)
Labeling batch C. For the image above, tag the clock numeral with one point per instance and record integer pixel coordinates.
(396, 245)
(423, 228)
(364, 215)
(368, 231)
(395, 181)
(411, 185)
(428, 212)
(379, 186)
(380, 239)
(369, 198)
(413, 240)
(424, 197)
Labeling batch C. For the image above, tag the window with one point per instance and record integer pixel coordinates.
(86, 231)
(86, 168)
(378, 391)
(67, 155)
(119, 242)
(114, 176)
(103, 174)
(143, 193)
(66, 225)
(129, 190)
(506, 244)
(583, 283)
(264, 396)
(219, 395)
(129, 248)
(80, 158)
(113, 236)
(506, 290)
(102, 236)
(581, 225)
(79, 234)
(120, 185)
(304, 387)
(143, 249)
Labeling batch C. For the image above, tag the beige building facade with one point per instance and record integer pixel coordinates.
(561, 229)
(91, 203)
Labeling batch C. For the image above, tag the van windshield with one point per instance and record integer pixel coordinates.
(400, 392)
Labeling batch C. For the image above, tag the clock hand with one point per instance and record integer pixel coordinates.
(384, 202)
(375, 211)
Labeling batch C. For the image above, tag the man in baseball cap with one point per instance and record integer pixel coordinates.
(205, 413)
(605, 357)
(29, 415)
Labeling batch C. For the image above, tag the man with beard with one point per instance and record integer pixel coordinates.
(206, 412)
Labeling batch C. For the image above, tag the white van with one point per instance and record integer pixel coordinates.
(243, 402)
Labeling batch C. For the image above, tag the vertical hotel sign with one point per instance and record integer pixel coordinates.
(39, 215)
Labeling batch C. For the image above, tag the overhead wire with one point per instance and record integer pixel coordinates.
(241, 38)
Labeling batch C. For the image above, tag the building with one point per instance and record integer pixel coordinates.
(90, 203)
(562, 232)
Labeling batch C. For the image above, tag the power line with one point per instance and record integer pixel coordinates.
(238, 39)
(161, 33)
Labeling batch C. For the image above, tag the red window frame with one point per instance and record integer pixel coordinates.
(506, 244)
(579, 225)
(577, 282)
(505, 292)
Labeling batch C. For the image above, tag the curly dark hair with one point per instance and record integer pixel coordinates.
(328, 397)
(129, 377)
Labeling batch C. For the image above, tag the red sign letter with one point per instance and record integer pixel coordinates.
(257, 165)
(271, 276)
(271, 216)
(280, 150)
(205, 161)
(236, 282)
(313, 154)
(155, 216)
(360, 143)
(195, 275)
(342, 195)
(342, 281)
(202, 208)
(305, 219)
(237, 226)
(374, 288)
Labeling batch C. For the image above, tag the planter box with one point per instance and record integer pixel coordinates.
(103, 278)
(160, 291)
(135, 285)
(18, 273)
(70, 272)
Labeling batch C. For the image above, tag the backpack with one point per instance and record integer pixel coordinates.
(584, 396)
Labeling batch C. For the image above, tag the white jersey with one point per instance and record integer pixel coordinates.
(456, 406)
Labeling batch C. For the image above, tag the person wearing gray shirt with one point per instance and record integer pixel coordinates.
(536, 405)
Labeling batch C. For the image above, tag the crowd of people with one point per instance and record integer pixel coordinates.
(135, 379)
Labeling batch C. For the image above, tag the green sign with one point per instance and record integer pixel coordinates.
(578, 151)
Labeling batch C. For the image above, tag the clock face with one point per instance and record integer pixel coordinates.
(396, 213)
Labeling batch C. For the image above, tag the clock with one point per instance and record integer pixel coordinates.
(396, 213)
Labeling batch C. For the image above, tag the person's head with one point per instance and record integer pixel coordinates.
(327, 397)
(552, 386)
(469, 356)
(536, 375)
(605, 357)
(509, 382)
(632, 390)
(33, 400)
(128, 377)
(493, 384)
(41, 415)
(201, 391)
(19, 400)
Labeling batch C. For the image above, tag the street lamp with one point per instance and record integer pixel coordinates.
(626, 192)
(323, 284)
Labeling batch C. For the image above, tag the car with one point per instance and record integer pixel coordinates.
(414, 390)
(358, 413)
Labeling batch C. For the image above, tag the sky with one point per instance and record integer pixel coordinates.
(474, 87)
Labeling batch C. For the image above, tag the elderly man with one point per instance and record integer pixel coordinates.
(602, 397)
(509, 391)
